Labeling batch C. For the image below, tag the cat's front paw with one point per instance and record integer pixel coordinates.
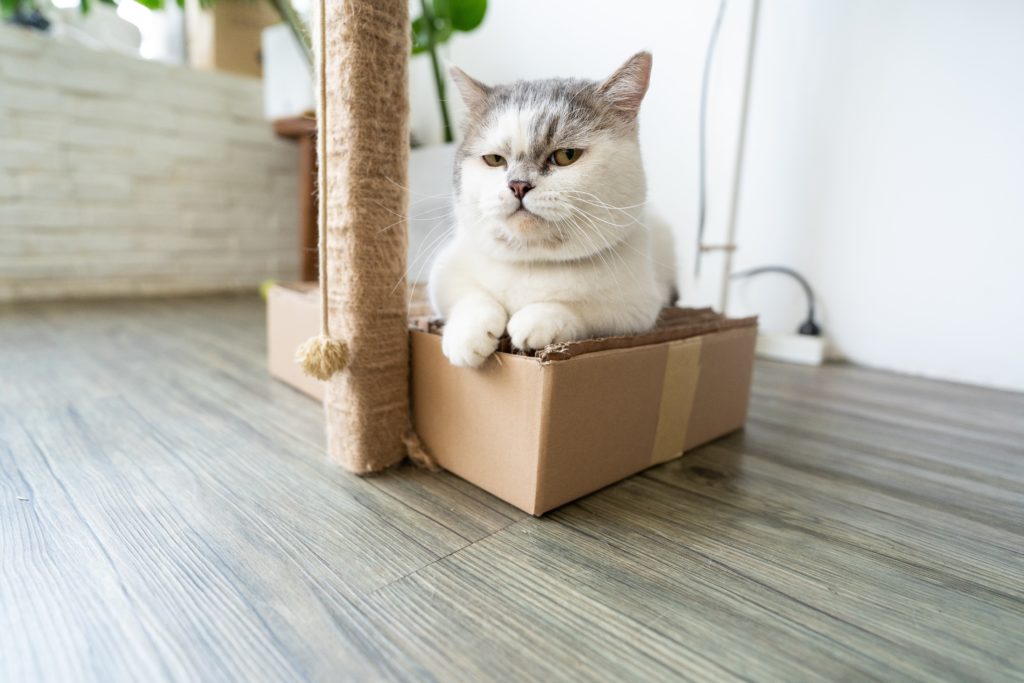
(469, 339)
(537, 325)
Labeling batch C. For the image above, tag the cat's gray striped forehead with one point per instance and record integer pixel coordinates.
(566, 112)
(568, 107)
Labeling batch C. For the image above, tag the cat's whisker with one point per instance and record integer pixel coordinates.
(612, 250)
(442, 208)
(432, 249)
(600, 202)
(633, 248)
(433, 244)
(581, 234)
(437, 219)
(419, 194)
(637, 251)
(445, 229)
(634, 220)
(449, 211)
(607, 220)
(596, 250)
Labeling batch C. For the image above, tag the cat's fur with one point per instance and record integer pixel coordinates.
(574, 258)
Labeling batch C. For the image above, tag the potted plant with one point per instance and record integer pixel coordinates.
(430, 166)
(438, 22)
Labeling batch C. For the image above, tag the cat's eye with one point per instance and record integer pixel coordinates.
(564, 157)
(494, 160)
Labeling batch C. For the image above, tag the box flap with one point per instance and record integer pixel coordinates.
(673, 324)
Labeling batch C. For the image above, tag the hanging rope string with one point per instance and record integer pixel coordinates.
(322, 356)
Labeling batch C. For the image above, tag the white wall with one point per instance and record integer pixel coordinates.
(884, 157)
(885, 162)
(119, 176)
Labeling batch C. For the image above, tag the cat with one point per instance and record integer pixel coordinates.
(551, 242)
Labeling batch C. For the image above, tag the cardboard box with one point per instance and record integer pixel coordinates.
(539, 431)
(227, 36)
(293, 316)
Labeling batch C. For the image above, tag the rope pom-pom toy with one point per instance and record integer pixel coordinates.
(322, 356)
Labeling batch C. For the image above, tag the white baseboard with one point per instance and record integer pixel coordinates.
(791, 348)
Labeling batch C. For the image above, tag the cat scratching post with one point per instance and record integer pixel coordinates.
(363, 47)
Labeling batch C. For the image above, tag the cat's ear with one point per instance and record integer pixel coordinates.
(625, 89)
(473, 91)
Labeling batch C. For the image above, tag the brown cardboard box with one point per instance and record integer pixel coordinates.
(227, 36)
(293, 316)
(539, 431)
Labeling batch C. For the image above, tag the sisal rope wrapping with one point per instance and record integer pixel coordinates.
(364, 48)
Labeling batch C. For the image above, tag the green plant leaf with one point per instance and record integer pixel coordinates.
(464, 15)
(420, 37)
(442, 30)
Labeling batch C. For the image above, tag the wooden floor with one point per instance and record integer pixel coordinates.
(166, 513)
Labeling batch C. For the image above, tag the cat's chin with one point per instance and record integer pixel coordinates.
(526, 237)
(524, 227)
(524, 220)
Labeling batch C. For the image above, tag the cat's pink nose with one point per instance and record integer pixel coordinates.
(519, 188)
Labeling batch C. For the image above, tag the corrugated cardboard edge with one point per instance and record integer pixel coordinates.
(675, 324)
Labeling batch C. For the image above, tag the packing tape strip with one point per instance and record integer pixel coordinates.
(682, 370)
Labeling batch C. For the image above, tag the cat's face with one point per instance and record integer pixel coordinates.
(550, 170)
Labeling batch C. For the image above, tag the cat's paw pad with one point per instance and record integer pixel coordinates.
(534, 327)
(468, 342)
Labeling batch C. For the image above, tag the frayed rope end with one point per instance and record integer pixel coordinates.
(322, 356)
(418, 453)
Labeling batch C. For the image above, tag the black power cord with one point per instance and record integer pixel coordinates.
(808, 327)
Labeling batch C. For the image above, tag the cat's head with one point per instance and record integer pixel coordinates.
(550, 170)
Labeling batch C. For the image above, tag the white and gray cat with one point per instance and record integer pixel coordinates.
(551, 240)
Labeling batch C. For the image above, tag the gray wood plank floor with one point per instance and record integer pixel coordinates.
(167, 513)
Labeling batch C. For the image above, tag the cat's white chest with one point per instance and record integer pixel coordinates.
(516, 286)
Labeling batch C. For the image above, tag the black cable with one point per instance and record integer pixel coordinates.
(702, 136)
(809, 326)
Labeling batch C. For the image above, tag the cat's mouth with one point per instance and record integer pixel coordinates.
(524, 222)
(523, 212)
